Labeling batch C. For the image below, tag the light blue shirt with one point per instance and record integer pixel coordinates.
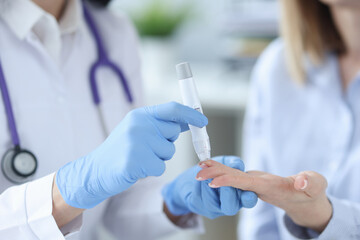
(291, 128)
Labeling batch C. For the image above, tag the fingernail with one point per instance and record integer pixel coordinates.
(203, 165)
(199, 178)
(213, 185)
(305, 183)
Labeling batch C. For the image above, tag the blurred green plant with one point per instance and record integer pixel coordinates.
(159, 18)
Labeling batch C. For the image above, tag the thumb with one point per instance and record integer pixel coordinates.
(311, 183)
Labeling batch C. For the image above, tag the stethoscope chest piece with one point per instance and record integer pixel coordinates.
(18, 165)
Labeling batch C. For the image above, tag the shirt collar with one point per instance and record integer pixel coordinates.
(72, 18)
(327, 76)
(326, 73)
(22, 15)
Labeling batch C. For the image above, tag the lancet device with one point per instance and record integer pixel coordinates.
(190, 98)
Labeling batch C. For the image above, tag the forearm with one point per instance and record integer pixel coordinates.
(344, 222)
(314, 215)
(62, 212)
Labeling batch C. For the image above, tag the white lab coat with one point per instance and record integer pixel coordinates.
(58, 122)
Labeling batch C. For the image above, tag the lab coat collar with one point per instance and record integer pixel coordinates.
(22, 15)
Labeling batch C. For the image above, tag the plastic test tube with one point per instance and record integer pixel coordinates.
(190, 98)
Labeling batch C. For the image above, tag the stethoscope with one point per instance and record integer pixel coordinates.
(19, 165)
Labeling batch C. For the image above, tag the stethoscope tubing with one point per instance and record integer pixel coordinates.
(103, 61)
(9, 110)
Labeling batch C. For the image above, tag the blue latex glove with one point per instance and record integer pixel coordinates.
(136, 149)
(185, 194)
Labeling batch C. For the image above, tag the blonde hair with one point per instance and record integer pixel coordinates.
(308, 28)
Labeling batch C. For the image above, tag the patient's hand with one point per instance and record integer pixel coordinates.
(302, 196)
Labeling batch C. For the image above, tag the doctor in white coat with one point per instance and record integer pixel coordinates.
(53, 123)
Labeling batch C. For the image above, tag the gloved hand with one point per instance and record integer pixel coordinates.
(136, 149)
(185, 194)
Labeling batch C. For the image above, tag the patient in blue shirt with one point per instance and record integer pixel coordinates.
(303, 127)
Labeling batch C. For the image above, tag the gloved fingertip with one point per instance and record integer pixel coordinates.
(200, 122)
(199, 119)
(205, 120)
(249, 199)
(231, 212)
(234, 162)
(229, 201)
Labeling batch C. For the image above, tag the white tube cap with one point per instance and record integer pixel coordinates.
(183, 70)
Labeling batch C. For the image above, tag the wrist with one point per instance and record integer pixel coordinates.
(62, 212)
(314, 215)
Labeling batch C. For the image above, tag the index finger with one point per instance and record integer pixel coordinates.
(226, 176)
(176, 112)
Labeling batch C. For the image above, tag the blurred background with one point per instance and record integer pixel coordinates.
(221, 40)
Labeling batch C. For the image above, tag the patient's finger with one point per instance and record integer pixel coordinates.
(256, 173)
(260, 184)
(212, 169)
(209, 163)
(240, 180)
